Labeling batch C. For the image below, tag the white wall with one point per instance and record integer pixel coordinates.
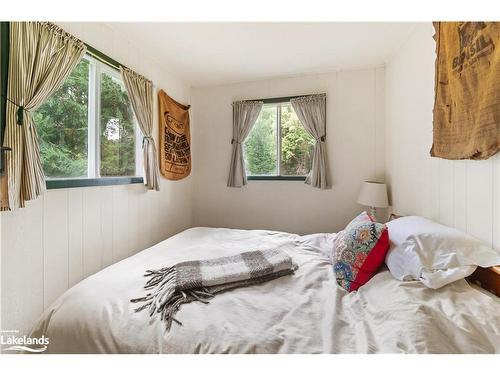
(355, 139)
(69, 234)
(464, 194)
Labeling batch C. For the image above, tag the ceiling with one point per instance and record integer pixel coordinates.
(205, 54)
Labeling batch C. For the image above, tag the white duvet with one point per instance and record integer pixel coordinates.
(303, 313)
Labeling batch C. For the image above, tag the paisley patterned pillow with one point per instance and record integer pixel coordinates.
(358, 251)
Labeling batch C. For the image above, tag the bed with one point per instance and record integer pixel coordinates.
(306, 312)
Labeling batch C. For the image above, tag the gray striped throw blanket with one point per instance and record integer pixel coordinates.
(200, 280)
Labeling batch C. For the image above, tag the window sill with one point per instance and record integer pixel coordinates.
(85, 182)
(276, 178)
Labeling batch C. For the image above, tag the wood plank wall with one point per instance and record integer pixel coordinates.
(69, 234)
(466, 195)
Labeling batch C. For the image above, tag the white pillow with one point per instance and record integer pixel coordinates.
(434, 254)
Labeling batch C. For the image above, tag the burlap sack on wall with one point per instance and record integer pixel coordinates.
(467, 90)
(4, 196)
(175, 138)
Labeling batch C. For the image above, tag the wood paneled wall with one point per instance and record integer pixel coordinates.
(355, 148)
(464, 194)
(69, 234)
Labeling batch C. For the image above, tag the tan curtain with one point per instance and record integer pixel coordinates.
(140, 93)
(311, 111)
(42, 56)
(245, 114)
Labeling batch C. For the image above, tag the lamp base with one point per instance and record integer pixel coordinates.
(373, 213)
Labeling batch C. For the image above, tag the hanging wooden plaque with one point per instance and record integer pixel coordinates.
(175, 138)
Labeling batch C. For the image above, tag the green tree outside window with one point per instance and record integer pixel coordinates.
(261, 146)
(62, 124)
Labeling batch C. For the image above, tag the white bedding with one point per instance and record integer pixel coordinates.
(303, 313)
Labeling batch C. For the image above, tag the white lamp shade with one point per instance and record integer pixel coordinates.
(373, 194)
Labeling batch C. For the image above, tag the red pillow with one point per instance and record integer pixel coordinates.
(359, 251)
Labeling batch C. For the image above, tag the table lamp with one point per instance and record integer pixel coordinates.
(373, 194)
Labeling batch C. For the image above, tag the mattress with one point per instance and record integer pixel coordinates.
(302, 313)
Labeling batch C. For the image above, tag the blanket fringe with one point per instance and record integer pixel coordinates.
(164, 297)
(169, 288)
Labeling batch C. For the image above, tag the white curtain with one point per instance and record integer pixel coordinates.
(41, 57)
(140, 93)
(311, 111)
(245, 114)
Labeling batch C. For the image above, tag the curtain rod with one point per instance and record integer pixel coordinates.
(281, 99)
(95, 53)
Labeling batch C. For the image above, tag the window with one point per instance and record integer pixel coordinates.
(87, 128)
(117, 128)
(278, 146)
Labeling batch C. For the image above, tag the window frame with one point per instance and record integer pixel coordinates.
(96, 69)
(62, 183)
(98, 64)
(278, 177)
